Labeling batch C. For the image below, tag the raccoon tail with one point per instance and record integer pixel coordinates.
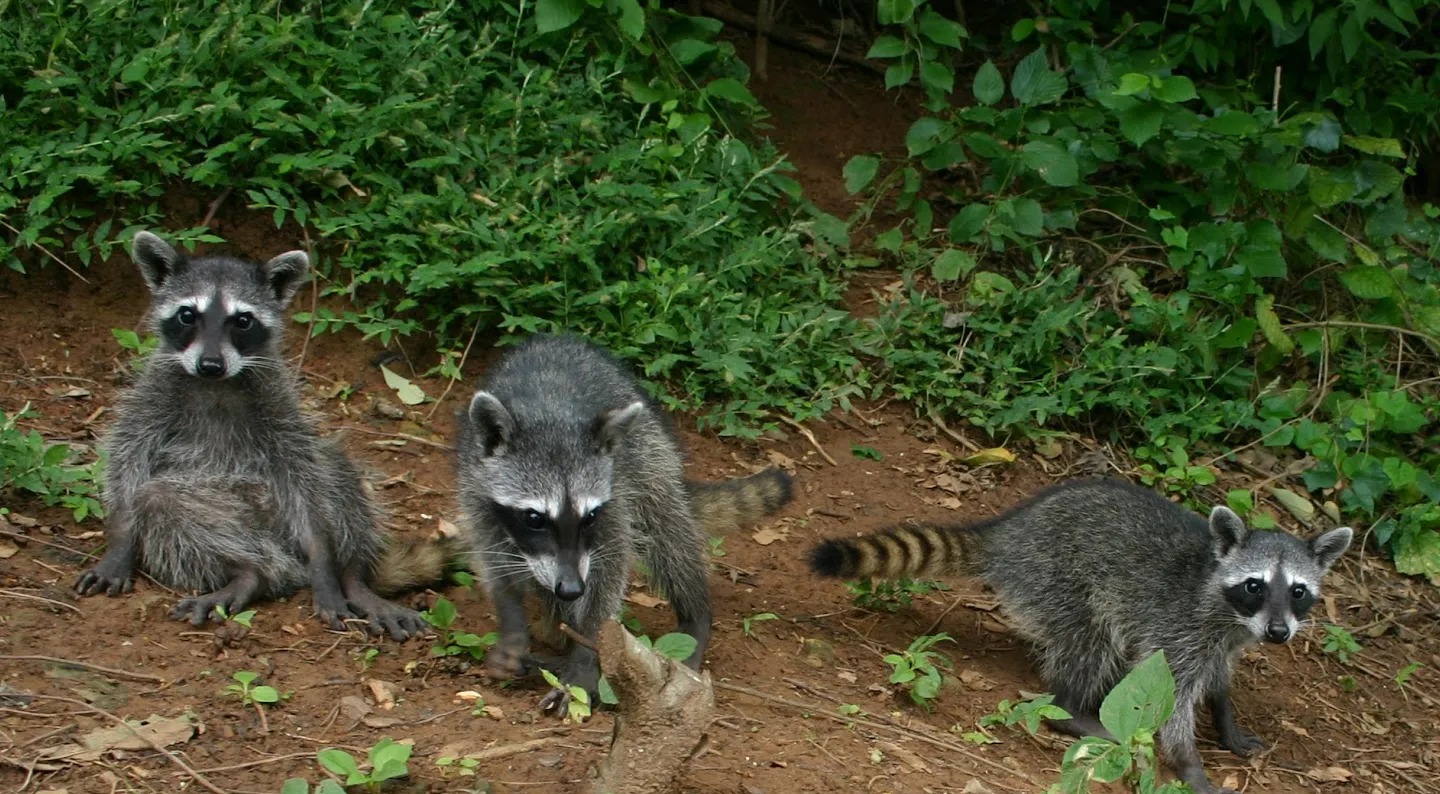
(912, 549)
(723, 506)
(413, 563)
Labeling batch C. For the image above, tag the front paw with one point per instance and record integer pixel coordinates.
(397, 621)
(334, 611)
(109, 577)
(507, 662)
(1242, 743)
(196, 609)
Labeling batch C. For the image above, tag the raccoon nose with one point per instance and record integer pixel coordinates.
(569, 588)
(1277, 632)
(210, 366)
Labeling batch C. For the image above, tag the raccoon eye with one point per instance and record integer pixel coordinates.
(1298, 592)
(244, 320)
(590, 517)
(186, 315)
(1253, 586)
(534, 519)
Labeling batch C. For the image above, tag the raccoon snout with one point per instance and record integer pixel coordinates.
(569, 587)
(210, 366)
(1277, 632)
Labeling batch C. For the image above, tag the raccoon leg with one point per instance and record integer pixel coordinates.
(508, 659)
(1232, 738)
(115, 573)
(243, 589)
(1177, 742)
(331, 606)
(1083, 721)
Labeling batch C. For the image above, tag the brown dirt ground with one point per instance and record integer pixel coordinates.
(56, 336)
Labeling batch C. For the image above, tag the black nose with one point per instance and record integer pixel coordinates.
(210, 366)
(569, 588)
(1277, 632)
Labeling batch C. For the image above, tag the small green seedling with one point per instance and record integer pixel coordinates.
(1403, 677)
(717, 547)
(869, 453)
(1028, 714)
(464, 767)
(367, 658)
(1340, 643)
(917, 669)
(455, 643)
(240, 618)
(890, 596)
(296, 785)
(745, 625)
(250, 695)
(387, 761)
(579, 705)
(141, 347)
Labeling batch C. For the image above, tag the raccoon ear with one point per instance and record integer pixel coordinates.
(155, 258)
(286, 273)
(1227, 529)
(1330, 546)
(490, 421)
(612, 426)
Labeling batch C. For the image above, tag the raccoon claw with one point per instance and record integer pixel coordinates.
(558, 701)
(506, 663)
(400, 623)
(1243, 744)
(99, 579)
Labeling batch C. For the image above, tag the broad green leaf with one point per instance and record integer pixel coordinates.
(924, 134)
(1141, 122)
(688, 51)
(968, 222)
(1321, 28)
(1054, 165)
(1029, 217)
(1327, 242)
(1133, 83)
(676, 646)
(985, 284)
(1022, 29)
(264, 694)
(1261, 253)
(607, 693)
(632, 18)
(1275, 176)
(1175, 89)
(886, 47)
(1270, 324)
(941, 30)
(1034, 83)
(1142, 701)
(1176, 237)
(408, 392)
(859, 172)
(936, 76)
(1323, 135)
(952, 264)
(1368, 282)
(1111, 764)
(1234, 122)
(295, 785)
(944, 156)
(328, 786)
(338, 762)
(245, 677)
(1328, 188)
(728, 88)
(900, 73)
(1421, 556)
(552, 15)
(441, 615)
(1385, 147)
(989, 86)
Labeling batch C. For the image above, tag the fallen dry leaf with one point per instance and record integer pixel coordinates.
(976, 681)
(780, 459)
(990, 456)
(1231, 782)
(1293, 728)
(494, 712)
(1329, 774)
(384, 692)
(906, 757)
(975, 787)
(769, 535)
(645, 600)
(469, 696)
(846, 676)
(7, 549)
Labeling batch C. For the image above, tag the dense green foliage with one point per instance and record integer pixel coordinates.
(1138, 237)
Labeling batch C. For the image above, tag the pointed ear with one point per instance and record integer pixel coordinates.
(1330, 546)
(490, 422)
(1227, 530)
(612, 426)
(285, 273)
(155, 258)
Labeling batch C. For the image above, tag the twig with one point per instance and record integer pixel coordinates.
(1275, 97)
(885, 724)
(459, 371)
(261, 762)
(764, 16)
(69, 726)
(405, 436)
(47, 252)
(507, 750)
(947, 611)
(809, 436)
(215, 206)
(86, 665)
(20, 536)
(944, 428)
(264, 724)
(1430, 340)
(314, 298)
(174, 759)
(810, 45)
(8, 593)
(579, 638)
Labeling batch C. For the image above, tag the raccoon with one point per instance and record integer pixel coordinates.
(215, 481)
(1099, 574)
(566, 470)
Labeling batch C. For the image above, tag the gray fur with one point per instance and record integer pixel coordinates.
(559, 422)
(217, 483)
(1099, 574)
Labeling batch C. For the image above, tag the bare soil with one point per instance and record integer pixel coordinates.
(57, 353)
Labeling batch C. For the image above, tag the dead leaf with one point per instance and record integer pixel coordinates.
(468, 696)
(384, 692)
(164, 731)
(23, 521)
(7, 549)
(769, 535)
(1231, 782)
(645, 600)
(975, 787)
(550, 761)
(494, 712)
(354, 708)
(1049, 448)
(906, 757)
(1293, 728)
(987, 457)
(1329, 774)
(76, 393)
(1299, 506)
(780, 459)
(846, 676)
(976, 681)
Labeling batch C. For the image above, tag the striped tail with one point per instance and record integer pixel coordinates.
(722, 507)
(912, 549)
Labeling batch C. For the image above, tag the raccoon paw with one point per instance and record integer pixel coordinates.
(1242, 743)
(197, 609)
(105, 578)
(557, 702)
(506, 662)
(334, 612)
(397, 621)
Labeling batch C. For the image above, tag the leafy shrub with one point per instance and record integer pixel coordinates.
(29, 465)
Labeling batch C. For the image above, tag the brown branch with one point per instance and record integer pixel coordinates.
(215, 206)
(579, 638)
(809, 436)
(8, 593)
(86, 665)
(405, 436)
(47, 252)
(459, 372)
(795, 40)
(23, 537)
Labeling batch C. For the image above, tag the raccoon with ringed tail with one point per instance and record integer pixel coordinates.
(217, 483)
(567, 470)
(1099, 574)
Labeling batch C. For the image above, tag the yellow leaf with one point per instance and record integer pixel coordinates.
(986, 457)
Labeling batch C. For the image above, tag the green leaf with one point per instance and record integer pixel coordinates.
(1261, 254)
(987, 284)
(1034, 83)
(1175, 89)
(441, 615)
(1421, 556)
(338, 761)
(937, 76)
(1054, 165)
(952, 264)
(1327, 242)
(989, 86)
(1275, 176)
(552, 15)
(859, 172)
(1133, 83)
(408, 392)
(944, 156)
(328, 786)
(1384, 147)
(632, 19)
(889, 240)
(728, 88)
(886, 47)
(264, 694)
(1111, 764)
(1328, 188)
(941, 30)
(1022, 29)
(968, 222)
(1142, 701)
(245, 677)
(607, 693)
(924, 134)
(1029, 217)
(387, 759)
(1141, 122)
(1323, 135)
(1176, 237)
(295, 785)
(1321, 28)
(676, 646)
(900, 73)
(862, 451)
(1270, 324)
(688, 51)
(1234, 122)
(1369, 283)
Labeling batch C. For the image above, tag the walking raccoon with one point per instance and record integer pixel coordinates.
(215, 481)
(566, 470)
(1099, 574)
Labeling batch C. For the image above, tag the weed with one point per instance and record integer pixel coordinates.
(579, 705)
(297, 785)
(1402, 677)
(869, 453)
(29, 465)
(140, 348)
(387, 761)
(918, 669)
(1027, 714)
(1340, 643)
(455, 643)
(717, 546)
(464, 767)
(250, 695)
(746, 623)
(890, 595)
(245, 618)
(366, 658)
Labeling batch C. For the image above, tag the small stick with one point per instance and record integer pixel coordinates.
(47, 252)
(69, 726)
(960, 439)
(947, 611)
(12, 594)
(459, 370)
(579, 638)
(28, 539)
(405, 436)
(1275, 97)
(174, 759)
(264, 724)
(261, 762)
(809, 436)
(507, 750)
(86, 665)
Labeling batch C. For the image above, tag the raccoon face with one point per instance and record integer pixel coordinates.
(1271, 579)
(217, 316)
(550, 486)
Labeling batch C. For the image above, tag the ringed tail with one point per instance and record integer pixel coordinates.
(912, 549)
(414, 563)
(722, 507)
